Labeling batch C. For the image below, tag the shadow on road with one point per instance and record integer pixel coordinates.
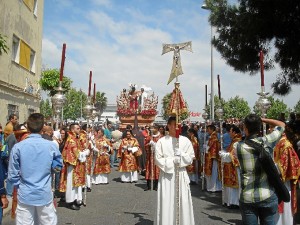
(142, 220)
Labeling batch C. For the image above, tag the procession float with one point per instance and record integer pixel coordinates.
(141, 104)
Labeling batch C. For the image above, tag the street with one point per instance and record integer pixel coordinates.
(127, 204)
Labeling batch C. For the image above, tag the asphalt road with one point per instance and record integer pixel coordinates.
(127, 204)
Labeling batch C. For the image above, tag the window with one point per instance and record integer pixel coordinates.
(25, 55)
(16, 49)
(12, 109)
(32, 61)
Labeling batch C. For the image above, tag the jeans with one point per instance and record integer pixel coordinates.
(265, 211)
(1, 214)
(113, 158)
(57, 180)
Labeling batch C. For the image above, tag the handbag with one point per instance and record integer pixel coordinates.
(268, 165)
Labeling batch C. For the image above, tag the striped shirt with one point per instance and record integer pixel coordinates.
(254, 184)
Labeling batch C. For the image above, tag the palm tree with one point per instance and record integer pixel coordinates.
(101, 101)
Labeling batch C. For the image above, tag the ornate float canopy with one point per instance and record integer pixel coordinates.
(142, 103)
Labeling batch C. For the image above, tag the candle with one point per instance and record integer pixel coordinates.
(90, 83)
(205, 95)
(62, 62)
(219, 89)
(261, 61)
(94, 98)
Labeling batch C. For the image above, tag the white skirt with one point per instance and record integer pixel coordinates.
(72, 193)
(213, 183)
(100, 179)
(129, 176)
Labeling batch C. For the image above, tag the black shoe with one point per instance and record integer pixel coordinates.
(78, 203)
(147, 189)
(73, 206)
(89, 189)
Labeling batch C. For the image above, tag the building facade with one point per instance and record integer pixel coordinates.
(21, 23)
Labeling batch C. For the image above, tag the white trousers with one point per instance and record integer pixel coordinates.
(129, 176)
(88, 179)
(72, 193)
(36, 215)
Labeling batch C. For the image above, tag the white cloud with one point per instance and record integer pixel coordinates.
(120, 51)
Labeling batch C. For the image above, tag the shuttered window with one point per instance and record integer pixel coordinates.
(25, 52)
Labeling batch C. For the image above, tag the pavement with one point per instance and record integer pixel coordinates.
(126, 204)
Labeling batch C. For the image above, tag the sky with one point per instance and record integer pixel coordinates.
(120, 41)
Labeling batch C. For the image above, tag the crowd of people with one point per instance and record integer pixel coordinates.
(73, 158)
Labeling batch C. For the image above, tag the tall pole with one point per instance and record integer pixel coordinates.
(212, 113)
(80, 104)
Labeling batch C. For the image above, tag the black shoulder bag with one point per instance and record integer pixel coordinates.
(269, 167)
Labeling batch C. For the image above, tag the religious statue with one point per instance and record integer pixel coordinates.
(176, 67)
(133, 97)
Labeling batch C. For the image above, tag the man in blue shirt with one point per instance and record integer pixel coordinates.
(3, 201)
(30, 165)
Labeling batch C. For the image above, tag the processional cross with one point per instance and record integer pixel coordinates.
(176, 67)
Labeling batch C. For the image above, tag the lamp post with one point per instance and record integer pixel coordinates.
(212, 108)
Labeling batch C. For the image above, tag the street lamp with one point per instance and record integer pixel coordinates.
(212, 109)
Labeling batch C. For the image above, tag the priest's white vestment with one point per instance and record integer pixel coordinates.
(165, 151)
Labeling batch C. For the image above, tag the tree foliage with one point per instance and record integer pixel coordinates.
(74, 105)
(217, 104)
(46, 108)
(50, 79)
(246, 28)
(3, 45)
(297, 107)
(276, 110)
(101, 101)
(236, 108)
(165, 105)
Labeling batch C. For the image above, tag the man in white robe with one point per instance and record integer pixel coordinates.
(167, 158)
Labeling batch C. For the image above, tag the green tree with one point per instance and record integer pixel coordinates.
(3, 45)
(46, 108)
(165, 105)
(50, 79)
(236, 108)
(245, 28)
(101, 101)
(297, 107)
(74, 101)
(277, 108)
